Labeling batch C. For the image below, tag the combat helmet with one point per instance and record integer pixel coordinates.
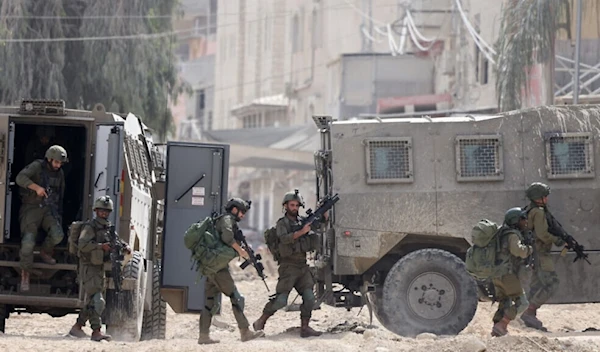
(57, 153)
(513, 215)
(239, 203)
(295, 195)
(103, 202)
(537, 190)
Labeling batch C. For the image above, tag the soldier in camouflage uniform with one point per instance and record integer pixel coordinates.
(544, 280)
(294, 273)
(93, 251)
(222, 282)
(42, 188)
(508, 286)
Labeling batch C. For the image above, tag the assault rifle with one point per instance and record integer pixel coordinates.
(52, 199)
(116, 258)
(326, 204)
(528, 241)
(254, 259)
(555, 228)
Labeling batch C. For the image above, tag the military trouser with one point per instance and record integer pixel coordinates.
(292, 276)
(31, 217)
(92, 277)
(543, 285)
(508, 294)
(221, 282)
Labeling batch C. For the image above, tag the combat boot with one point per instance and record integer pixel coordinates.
(501, 327)
(260, 323)
(307, 331)
(530, 319)
(76, 331)
(247, 335)
(204, 339)
(97, 335)
(47, 257)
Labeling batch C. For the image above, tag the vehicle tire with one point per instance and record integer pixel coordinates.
(3, 316)
(155, 319)
(428, 290)
(128, 308)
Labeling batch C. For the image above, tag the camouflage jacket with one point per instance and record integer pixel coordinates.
(294, 251)
(34, 173)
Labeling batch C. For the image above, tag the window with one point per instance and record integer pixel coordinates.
(481, 61)
(251, 121)
(199, 101)
(569, 155)
(479, 158)
(389, 160)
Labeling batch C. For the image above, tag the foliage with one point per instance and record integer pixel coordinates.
(126, 75)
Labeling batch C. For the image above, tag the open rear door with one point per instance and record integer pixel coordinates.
(7, 137)
(108, 164)
(196, 187)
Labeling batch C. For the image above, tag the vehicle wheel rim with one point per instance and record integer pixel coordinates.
(431, 296)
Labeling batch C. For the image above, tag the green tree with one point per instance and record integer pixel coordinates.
(528, 31)
(127, 75)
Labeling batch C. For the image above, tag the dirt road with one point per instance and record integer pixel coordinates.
(346, 331)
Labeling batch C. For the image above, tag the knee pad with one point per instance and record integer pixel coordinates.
(99, 303)
(27, 242)
(237, 300)
(280, 301)
(521, 303)
(56, 235)
(308, 296)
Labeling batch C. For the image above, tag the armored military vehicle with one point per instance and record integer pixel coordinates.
(411, 190)
(109, 154)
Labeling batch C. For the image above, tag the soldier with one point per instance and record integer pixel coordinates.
(42, 188)
(37, 146)
(293, 270)
(93, 247)
(544, 280)
(222, 282)
(508, 286)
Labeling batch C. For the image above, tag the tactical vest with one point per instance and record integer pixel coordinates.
(296, 251)
(507, 263)
(50, 180)
(101, 232)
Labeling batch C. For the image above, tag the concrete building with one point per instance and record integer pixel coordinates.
(195, 51)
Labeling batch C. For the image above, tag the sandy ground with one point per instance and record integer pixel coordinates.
(345, 331)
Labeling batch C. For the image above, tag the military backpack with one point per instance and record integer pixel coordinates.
(209, 253)
(74, 231)
(272, 242)
(481, 257)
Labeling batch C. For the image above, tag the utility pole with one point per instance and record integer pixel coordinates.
(577, 50)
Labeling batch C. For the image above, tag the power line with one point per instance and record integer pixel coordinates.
(146, 35)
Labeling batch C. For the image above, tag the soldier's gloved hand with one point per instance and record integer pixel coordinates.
(106, 247)
(127, 249)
